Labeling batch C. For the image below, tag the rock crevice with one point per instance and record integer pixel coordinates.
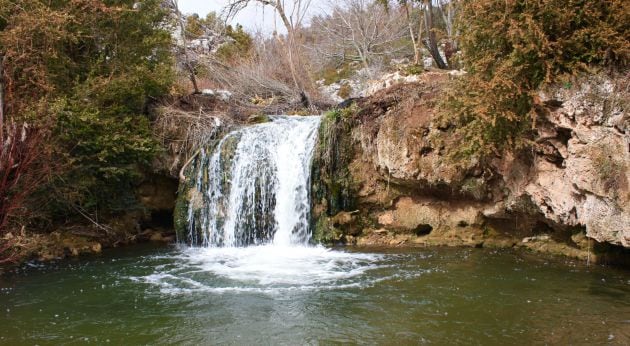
(573, 181)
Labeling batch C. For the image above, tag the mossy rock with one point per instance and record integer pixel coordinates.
(189, 194)
(325, 233)
(258, 119)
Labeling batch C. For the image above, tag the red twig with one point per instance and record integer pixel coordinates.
(19, 177)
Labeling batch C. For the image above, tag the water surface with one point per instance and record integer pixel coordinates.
(299, 295)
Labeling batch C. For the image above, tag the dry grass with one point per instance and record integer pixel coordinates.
(182, 132)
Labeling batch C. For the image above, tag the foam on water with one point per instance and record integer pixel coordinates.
(252, 219)
(266, 269)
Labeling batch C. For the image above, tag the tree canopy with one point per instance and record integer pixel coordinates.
(85, 71)
(510, 48)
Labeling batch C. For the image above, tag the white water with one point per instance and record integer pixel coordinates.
(269, 269)
(253, 221)
(257, 192)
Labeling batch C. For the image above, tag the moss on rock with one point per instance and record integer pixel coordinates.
(334, 189)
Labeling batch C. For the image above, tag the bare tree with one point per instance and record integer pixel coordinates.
(292, 18)
(188, 64)
(1, 99)
(415, 39)
(360, 30)
(448, 10)
(431, 41)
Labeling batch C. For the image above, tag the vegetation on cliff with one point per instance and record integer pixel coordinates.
(510, 49)
(78, 81)
(82, 74)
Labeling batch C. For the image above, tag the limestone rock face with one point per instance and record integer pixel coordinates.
(417, 214)
(574, 183)
(589, 184)
(402, 148)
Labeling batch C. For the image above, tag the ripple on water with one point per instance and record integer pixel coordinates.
(267, 269)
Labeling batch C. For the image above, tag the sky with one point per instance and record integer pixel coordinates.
(253, 18)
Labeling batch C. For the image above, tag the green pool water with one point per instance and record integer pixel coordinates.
(273, 295)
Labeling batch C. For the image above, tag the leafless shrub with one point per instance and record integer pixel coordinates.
(359, 31)
(183, 132)
(21, 171)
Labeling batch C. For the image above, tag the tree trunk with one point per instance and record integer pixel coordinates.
(414, 40)
(1, 100)
(187, 63)
(419, 36)
(291, 45)
(432, 39)
(189, 66)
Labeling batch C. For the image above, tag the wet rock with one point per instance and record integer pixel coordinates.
(547, 245)
(258, 119)
(499, 243)
(169, 239)
(538, 238)
(97, 248)
(343, 218)
(156, 237)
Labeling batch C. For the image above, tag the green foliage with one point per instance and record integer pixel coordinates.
(97, 66)
(325, 233)
(345, 91)
(241, 47)
(512, 48)
(335, 150)
(196, 26)
(413, 70)
(338, 117)
(332, 74)
(332, 115)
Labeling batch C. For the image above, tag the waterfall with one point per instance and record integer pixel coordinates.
(252, 188)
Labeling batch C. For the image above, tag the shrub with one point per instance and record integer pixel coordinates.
(20, 173)
(87, 71)
(241, 47)
(345, 91)
(332, 74)
(513, 47)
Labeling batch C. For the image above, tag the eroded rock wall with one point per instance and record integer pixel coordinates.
(566, 195)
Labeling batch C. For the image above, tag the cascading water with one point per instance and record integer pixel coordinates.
(253, 187)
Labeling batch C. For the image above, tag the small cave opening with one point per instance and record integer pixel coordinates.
(611, 254)
(424, 151)
(541, 227)
(423, 229)
(160, 219)
(564, 134)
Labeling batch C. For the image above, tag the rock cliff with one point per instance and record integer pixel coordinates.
(388, 167)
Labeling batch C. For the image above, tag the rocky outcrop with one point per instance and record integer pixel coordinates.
(568, 194)
(582, 173)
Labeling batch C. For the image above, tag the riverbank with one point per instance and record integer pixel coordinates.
(168, 295)
(384, 175)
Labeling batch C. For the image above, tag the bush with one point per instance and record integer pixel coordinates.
(345, 91)
(512, 48)
(87, 71)
(241, 47)
(332, 74)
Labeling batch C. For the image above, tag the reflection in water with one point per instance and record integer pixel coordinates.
(315, 295)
